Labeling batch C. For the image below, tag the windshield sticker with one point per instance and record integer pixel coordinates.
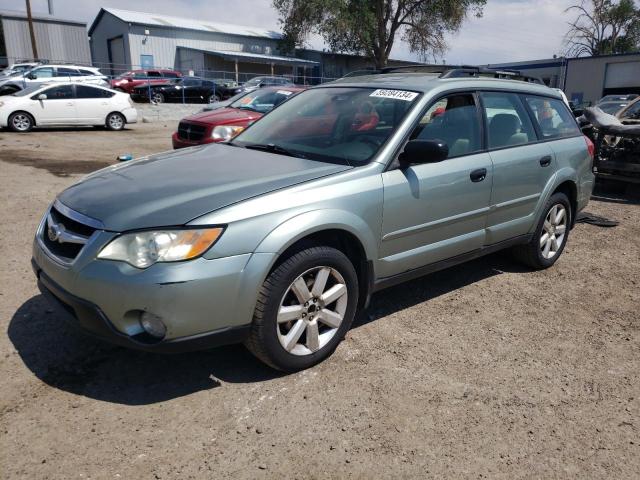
(395, 94)
(284, 92)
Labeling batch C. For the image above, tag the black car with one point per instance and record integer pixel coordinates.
(187, 89)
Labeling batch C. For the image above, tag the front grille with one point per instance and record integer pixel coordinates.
(191, 131)
(61, 247)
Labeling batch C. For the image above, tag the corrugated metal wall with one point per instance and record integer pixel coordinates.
(162, 43)
(56, 42)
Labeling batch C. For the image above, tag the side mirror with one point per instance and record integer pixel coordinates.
(31, 76)
(42, 96)
(423, 151)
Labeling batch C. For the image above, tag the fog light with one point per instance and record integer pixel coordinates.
(153, 325)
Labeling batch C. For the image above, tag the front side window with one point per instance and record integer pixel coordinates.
(63, 92)
(633, 112)
(454, 120)
(508, 123)
(553, 117)
(190, 82)
(46, 72)
(344, 125)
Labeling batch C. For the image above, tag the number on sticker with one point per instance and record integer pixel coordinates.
(395, 94)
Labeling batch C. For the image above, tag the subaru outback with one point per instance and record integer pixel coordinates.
(278, 237)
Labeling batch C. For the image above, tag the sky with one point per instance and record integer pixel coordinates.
(508, 31)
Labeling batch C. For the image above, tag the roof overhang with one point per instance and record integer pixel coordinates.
(256, 57)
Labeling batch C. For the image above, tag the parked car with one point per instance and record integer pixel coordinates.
(612, 107)
(618, 98)
(279, 236)
(129, 80)
(224, 123)
(66, 104)
(189, 89)
(261, 82)
(53, 73)
(17, 68)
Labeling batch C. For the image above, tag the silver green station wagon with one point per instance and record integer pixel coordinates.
(278, 237)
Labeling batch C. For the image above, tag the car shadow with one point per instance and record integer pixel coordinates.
(65, 358)
(617, 192)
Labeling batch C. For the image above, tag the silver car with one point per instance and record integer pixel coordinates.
(278, 237)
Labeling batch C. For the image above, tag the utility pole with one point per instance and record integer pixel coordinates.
(34, 48)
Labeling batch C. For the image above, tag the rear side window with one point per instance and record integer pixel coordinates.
(67, 72)
(87, 72)
(508, 123)
(553, 117)
(152, 73)
(454, 120)
(84, 91)
(169, 75)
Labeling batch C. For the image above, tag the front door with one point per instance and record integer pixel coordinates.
(58, 108)
(435, 211)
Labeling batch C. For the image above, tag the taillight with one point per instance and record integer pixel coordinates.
(591, 148)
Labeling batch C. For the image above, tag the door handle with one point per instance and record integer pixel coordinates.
(545, 161)
(70, 104)
(478, 175)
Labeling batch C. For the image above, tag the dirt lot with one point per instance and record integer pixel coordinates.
(486, 370)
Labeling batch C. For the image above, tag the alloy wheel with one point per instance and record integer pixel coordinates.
(312, 310)
(21, 122)
(553, 231)
(116, 122)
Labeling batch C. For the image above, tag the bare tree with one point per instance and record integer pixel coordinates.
(602, 27)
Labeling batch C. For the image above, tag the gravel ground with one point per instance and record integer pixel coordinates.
(486, 370)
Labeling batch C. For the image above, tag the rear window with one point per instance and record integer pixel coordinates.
(553, 117)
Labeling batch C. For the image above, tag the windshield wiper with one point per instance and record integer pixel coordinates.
(273, 148)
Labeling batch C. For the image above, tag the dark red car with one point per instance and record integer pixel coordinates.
(225, 123)
(129, 80)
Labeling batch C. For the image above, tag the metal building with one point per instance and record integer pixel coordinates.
(549, 70)
(590, 78)
(57, 40)
(122, 40)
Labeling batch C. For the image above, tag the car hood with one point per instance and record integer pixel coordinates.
(224, 115)
(174, 188)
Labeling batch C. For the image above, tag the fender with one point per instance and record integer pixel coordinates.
(300, 226)
(558, 178)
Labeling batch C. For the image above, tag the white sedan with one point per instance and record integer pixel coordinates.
(66, 104)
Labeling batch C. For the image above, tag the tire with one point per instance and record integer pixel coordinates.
(115, 121)
(213, 98)
(21, 122)
(550, 236)
(157, 97)
(330, 320)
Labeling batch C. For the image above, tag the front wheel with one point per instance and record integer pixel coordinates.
(213, 99)
(304, 309)
(157, 97)
(21, 122)
(550, 236)
(115, 121)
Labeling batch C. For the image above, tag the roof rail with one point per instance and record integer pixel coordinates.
(461, 71)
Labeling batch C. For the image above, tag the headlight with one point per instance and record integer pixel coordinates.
(226, 132)
(143, 249)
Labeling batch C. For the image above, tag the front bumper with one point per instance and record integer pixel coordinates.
(92, 320)
(202, 302)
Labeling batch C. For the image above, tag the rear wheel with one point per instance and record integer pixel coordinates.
(21, 122)
(550, 236)
(304, 309)
(115, 121)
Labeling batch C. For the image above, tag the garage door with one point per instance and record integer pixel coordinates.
(116, 55)
(622, 75)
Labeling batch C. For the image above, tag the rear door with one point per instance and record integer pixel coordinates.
(522, 166)
(435, 211)
(92, 104)
(58, 108)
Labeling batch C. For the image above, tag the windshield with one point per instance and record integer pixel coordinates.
(612, 108)
(27, 91)
(332, 124)
(262, 101)
(254, 81)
